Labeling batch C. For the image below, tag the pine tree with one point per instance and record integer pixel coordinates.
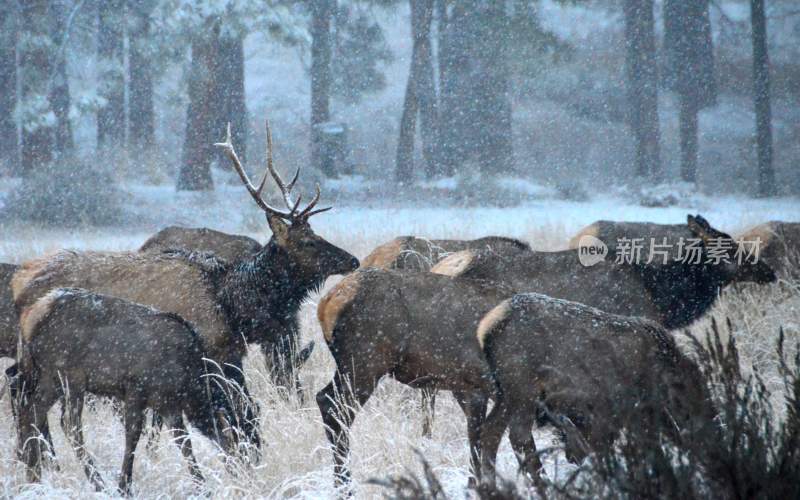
(321, 15)
(9, 145)
(762, 98)
(38, 119)
(110, 44)
(690, 71)
(642, 86)
(60, 99)
(141, 112)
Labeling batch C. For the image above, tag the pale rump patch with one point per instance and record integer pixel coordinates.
(28, 271)
(332, 304)
(488, 323)
(590, 230)
(384, 256)
(765, 232)
(454, 264)
(34, 314)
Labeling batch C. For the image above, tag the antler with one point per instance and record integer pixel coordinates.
(286, 189)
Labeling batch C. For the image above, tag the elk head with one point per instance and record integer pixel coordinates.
(740, 266)
(309, 256)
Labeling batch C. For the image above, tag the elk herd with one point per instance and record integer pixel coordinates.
(166, 329)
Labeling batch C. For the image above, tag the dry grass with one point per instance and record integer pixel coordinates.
(296, 460)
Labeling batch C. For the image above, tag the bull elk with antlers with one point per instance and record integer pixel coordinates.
(255, 300)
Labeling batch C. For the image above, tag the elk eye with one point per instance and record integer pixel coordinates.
(310, 243)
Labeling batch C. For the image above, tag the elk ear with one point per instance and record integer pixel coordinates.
(304, 354)
(699, 226)
(280, 229)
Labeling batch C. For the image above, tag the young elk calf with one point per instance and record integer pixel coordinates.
(599, 370)
(74, 341)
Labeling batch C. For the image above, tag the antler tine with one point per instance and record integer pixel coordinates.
(308, 212)
(285, 190)
(237, 165)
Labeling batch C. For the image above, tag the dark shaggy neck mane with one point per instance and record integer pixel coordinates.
(261, 295)
(683, 292)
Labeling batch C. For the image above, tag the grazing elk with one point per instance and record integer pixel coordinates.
(229, 247)
(779, 245)
(232, 248)
(9, 322)
(417, 327)
(74, 341)
(410, 253)
(255, 300)
(674, 294)
(596, 369)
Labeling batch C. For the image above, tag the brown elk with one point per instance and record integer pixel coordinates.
(255, 300)
(779, 245)
(594, 368)
(674, 294)
(9, 322)
(417, 327)
(411, 253)
(229, 247)
(74, 342)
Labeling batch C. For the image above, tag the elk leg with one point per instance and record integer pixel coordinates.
(33, 408)
(474, 407)
(234, 373)
(428, 409)
(156, 423)
(522, 442)
(491, 433)
(73, 427)
(181, 437)
(134, 423)
(337, 403)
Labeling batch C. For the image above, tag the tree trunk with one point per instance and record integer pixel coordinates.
(689, 50)
(141, 114)
(421, 15)
(321, 14)
(59, 90)
(9, 145)
(688, 133)
(475, 107)
(195, 171)
(445, 52)
(230, 91)
(761, 94)
(37, 123)
(110, 45)
(642, 85)
(428, 100)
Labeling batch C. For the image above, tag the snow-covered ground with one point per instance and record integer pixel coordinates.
(387, 434)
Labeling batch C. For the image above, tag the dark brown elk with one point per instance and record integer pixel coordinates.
(411, 253)
(779, 245)
(612, 233)
(75, 342)
(255, 300)
(417, 327)
(594, 368)
(9, 322)
(674, 294)
(228, 247)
